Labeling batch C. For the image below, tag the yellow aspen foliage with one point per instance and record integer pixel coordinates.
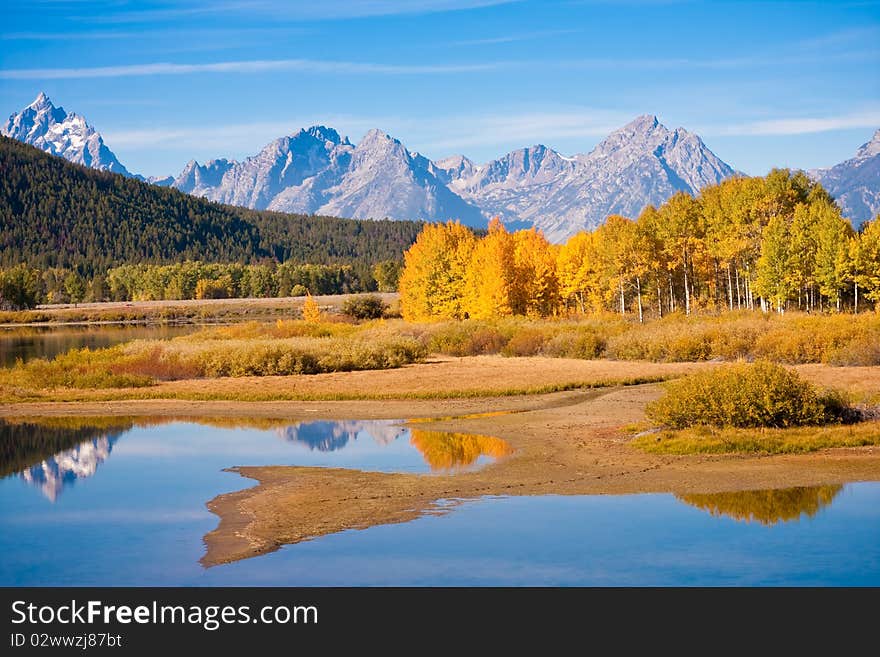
(578, 270)
(311, 312)
(432, 285)
(491, 275)
(867, 257)
(536, 292)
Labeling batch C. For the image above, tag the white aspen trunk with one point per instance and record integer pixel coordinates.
(856, 290)
(687, 293)
(750, 299)
(622, 304)
(729, 286)
(738, 292)
(639, 292)
(659, 302)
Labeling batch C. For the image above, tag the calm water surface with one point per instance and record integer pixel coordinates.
(117, 502)
(29, 342)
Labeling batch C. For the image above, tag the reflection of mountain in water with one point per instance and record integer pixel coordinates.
(328, 436)
(767, 507)
(63, 469)
(55, 452)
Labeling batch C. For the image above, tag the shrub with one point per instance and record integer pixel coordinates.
(761, 394)
(528, 342)
(585, 345)
(467, 338)
(364, 307)
(863, 350)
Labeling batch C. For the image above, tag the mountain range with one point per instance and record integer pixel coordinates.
(318, 171)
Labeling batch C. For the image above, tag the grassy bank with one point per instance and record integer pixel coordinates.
(792, 338)
(287, 347)
(800, 440)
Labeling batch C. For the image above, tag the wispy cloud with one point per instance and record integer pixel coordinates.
(253, 66)
(800, 125)
(297, 10)
(96, 35)
(512, 38)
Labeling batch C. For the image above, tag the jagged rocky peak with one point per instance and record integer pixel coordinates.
(53, 130)
(855, 183)
(323, 133)
(641, 133)
(455, 167)
(196, 177)
(870, 148)
(377, 141)
(535, 163)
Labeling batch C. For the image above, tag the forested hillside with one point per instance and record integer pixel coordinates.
(54, 214)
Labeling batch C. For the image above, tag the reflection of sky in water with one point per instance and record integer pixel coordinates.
(139, 519)
(543, 540)
(380, 445)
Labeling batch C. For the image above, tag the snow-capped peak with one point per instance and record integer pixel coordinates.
(53, 130)
(42, 100)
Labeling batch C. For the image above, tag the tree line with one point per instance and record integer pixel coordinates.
(56, 214)
(777, 242)
(23, 286)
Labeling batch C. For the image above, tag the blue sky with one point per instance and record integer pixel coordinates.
(764, 83)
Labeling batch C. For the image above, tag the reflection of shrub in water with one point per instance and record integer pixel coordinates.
(447, 451)
(767, 507)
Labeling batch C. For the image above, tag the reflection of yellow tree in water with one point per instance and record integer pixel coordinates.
(765, 506)
(446, 451)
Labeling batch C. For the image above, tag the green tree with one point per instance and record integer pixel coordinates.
(74, 287)
(773, 281)
(387, 275)
(867, 270)
(19, 288)
(832, 251)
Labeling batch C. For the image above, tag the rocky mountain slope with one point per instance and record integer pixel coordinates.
(855, 183)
